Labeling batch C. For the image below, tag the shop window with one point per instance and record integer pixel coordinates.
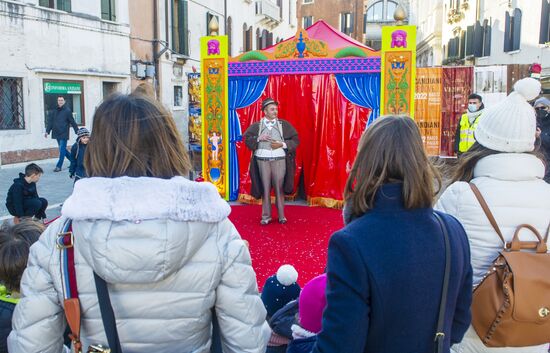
(108, 10)
(11, 103)
(63, 5)
(72, 91)
(178, 96)
(180, 27)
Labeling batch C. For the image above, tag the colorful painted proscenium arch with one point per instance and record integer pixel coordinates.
(398, 70)
(215, 131)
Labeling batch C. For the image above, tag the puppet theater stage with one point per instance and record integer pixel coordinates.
(328, 87)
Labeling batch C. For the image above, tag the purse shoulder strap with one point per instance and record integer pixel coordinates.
(440, 334)
(71, 302)
(487, 211)
(107, 314)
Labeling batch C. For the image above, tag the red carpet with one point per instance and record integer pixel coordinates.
(302, 242)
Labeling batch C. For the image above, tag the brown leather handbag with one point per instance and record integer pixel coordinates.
(511, 304)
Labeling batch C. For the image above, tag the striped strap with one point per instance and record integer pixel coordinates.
(65, 243)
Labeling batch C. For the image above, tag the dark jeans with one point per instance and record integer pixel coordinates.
(62, 153)
(33, 207)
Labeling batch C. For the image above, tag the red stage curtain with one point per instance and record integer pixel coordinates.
(329, 127)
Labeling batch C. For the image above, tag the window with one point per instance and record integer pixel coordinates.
(178, 96)
(512, 31)
(229, 32)
(179, 27)
(73, 93)
(109, 88)
(478, 39)
(545, 22)
(375, 44)
(280, 4)
(247, 38)
(377, 13)
(209, 17)
(108, 10)
(305, 2)
(346, 22)
(11, 103)
(63, 5)
(307, 21)
(390, 9)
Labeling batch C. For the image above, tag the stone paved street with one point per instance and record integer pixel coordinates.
(55, 187)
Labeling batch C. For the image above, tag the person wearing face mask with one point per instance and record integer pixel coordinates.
(542, 108)
(464, 137)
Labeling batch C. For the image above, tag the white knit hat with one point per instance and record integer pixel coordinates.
(510, 125)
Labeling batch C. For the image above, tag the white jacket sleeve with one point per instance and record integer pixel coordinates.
(38, 320)
(239, 308)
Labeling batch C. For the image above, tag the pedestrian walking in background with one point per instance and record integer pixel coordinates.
(386, 267)
(509, 177)
(169, 256)
(15, 242)
(464, 136)
(58, 124)
(542, 109)
(77, 170)
(23, 200)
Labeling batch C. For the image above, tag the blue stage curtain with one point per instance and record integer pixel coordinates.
(363, 90)
(243, 91)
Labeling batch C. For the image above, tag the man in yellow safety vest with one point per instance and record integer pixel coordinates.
(464, 138)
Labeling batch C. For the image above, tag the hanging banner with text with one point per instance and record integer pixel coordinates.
(428, 107)
(398, 70)
(457, 86)
(215, 108)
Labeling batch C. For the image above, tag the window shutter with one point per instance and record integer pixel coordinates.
(470, 40)
(507, 32)
(478, 40)
(184, 28)
(486, 38)
(64, 5)
(516, 34)
(545, 22)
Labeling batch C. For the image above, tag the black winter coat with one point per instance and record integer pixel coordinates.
(19, 191)
(77, 160)
(59, 123)
(283, 319)
(6, 313)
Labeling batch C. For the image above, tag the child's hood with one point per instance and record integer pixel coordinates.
(138, 230)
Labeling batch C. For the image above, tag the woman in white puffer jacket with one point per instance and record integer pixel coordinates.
(510, 178)
(162, 243)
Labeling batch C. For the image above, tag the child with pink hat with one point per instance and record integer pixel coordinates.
(312, 302)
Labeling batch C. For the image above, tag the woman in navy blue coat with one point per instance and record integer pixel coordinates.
(385, 268)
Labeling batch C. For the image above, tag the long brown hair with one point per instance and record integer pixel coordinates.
(391, 150)
(464, 169)
(133, 135)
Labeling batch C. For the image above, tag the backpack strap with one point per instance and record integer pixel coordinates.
(487, 211)
(440, 334)
(71, 303)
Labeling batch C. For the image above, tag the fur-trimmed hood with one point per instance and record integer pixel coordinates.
(136, 199)
(142, 230)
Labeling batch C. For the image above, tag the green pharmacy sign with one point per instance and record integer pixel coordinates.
(62, 87)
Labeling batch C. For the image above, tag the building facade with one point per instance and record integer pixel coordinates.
(165, 40)
(359, 19)
(515, 33)
(78, 49)
(427, 15)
